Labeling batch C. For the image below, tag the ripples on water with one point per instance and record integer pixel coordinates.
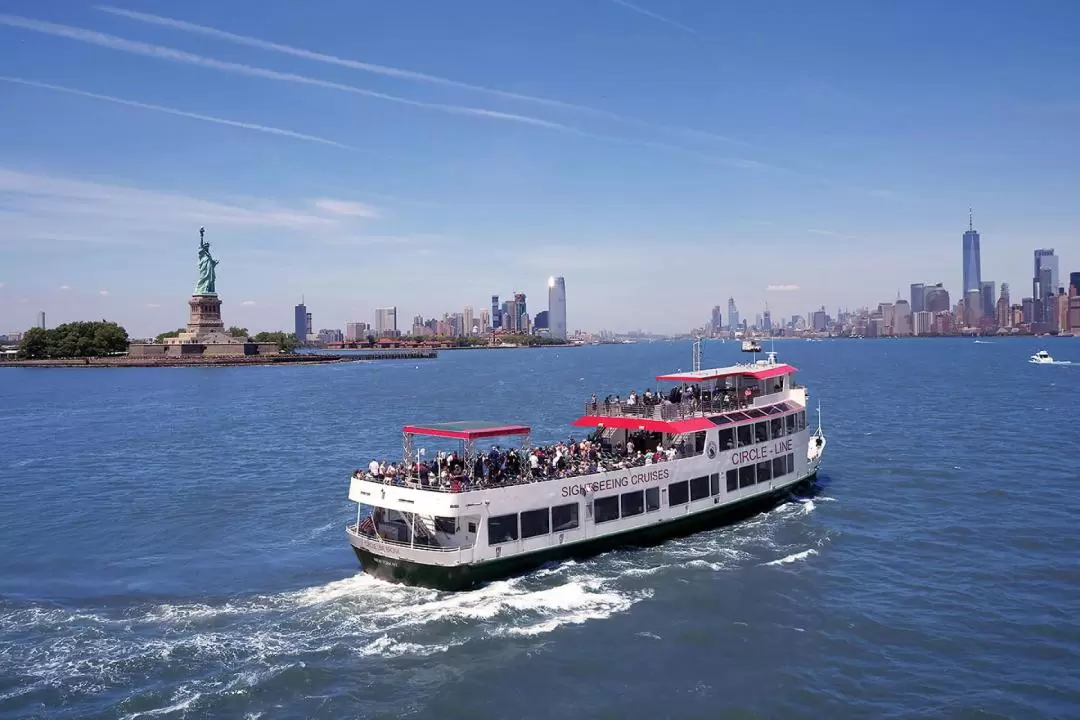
(933, 574)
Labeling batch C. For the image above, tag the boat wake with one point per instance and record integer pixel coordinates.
(203, 654)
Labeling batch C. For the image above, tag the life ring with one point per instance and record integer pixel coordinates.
(710, 450)
(748, 392)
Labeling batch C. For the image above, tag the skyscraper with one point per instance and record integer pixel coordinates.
(1044, 282)
(987, 293)
(41, 320)
(300, 322)
(496, 312)
(717, 320)
(467, 320)
(972, 263)
(936, 299)
(386, 322)
(1074, 283)
(918, 293)
(732, 315)
(556, 319)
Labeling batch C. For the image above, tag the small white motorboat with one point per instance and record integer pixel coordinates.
(1042, 358)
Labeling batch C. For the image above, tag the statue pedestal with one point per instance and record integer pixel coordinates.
(204, 324)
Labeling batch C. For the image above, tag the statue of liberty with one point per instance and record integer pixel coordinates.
(207, 267)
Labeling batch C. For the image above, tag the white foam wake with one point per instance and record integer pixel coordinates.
(793, 557)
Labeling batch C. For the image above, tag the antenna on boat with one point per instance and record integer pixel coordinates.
(696, 361)
(818, 417)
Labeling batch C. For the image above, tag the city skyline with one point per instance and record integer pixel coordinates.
(347, 165)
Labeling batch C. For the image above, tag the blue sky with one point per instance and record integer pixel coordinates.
(661, 155)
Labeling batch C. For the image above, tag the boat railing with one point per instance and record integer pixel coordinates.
(354, 528)
(669, 411)
(463, 483)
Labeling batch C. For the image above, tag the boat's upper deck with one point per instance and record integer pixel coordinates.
(699, 394)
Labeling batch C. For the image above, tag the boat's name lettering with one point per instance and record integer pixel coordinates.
(761, 452)
(613, 483)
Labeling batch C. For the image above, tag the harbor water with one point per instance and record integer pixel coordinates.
(174, 547)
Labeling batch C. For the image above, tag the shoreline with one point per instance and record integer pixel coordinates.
(222, 361)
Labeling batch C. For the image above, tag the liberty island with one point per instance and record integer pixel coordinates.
(205, 341)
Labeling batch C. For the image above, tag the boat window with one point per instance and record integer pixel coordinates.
(746, 476)
(754, 412)
(564, 517)
(732, 480)
(652, 499)
(699, 487)
(714, 483)
(774, 409)
(446, 525)
(606, 509)
(677, 494)
(472, 528)
(790, 422)
(791, 462)
(535, 522)
(779, 467)
(764, 471)
(745, 434)
(633, 503)
(727, 438)
(502, 528)
(761, 431)
(777, 426)
(802, 419)
(699, 442)
(738, 416)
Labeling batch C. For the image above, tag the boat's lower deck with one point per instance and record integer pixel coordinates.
(378, 558)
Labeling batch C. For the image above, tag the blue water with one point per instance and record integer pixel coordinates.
(174, 547)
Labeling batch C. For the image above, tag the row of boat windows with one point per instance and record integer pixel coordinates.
(544, 521)
(759, 432)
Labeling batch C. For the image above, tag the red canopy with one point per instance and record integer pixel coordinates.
(762, 373)
(625, 422)
(468, 430)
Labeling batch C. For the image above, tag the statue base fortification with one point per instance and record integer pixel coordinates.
(205, 336)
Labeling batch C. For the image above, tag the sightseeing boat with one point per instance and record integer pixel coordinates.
(720, 445)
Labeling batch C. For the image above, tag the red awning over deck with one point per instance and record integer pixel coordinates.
(758, 373)
(628, 422)
(466, 430)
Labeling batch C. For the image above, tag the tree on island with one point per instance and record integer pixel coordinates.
(77, 339)
(286, 342)
(238, 332)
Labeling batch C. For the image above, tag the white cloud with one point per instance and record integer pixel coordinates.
(657, 17)
(248, 303)
(404, 74)
(781, 288)
(166, 53)
(64, 287)
(153, 305)
(104, 293)
(180, 113)
(38, 208)
(345, 207)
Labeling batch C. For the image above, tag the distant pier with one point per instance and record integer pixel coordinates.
(397, 354)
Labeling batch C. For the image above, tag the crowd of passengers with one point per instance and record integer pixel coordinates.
(687, 395)
(509, 466)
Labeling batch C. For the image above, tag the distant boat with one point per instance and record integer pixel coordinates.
(1042, 358)
(751, 346)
